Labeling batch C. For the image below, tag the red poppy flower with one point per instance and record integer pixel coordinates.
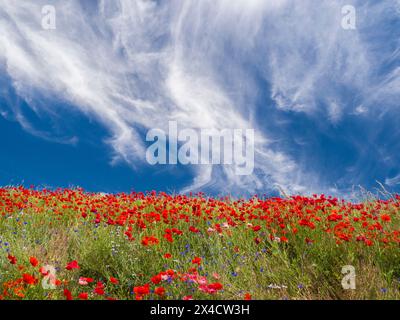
(215, 286)
(177, 231)
(99, 291)
(193, 229)
(29, 279)
(170, 272)
(84, 281)
(192, 270)
(83, 296)
(168, 237)
(368, 242)
(33, 261)
(12, 259)
(141, 291)
(72, 265)
(44, 271)
(247, 296)
(150, 241)
(156, 279)
(196, 260)
(67, 294)
(160, 291)
(114, 280)
(167, 256)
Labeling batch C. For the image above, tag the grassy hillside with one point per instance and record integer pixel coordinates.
(68, 244)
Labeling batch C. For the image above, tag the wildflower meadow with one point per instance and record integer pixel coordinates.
(74, 245)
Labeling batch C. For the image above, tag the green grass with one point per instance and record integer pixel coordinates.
(266, 269)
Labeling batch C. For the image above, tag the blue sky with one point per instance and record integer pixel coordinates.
(76, 102)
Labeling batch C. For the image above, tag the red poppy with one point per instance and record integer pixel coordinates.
(168, 237)
(12, 259)
(156, 279)
(193, 229)
(177, 231)
(215, 286)
(167, 256)
(114, 280)
(29, 279)
(83, 296)
(84, 281)
(170, 272)
(67, 294)
(196, 260)
(72, 265)
(141, 291)
(247, 296)
(368, 242)
(99, 291)
(192, 270)
(150, 241)
(160, 291)
(44, 271)
(33, 261)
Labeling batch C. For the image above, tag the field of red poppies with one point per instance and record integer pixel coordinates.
(69, 244)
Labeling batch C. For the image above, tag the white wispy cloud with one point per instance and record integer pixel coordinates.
(134, 64)
(393, 181)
